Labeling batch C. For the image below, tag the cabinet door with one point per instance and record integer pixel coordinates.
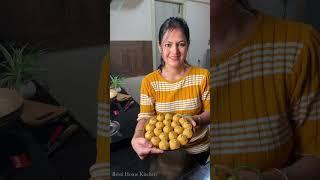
(131, 58)
(55, 24)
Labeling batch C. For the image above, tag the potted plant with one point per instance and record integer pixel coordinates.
(17, 68)
(115, 82)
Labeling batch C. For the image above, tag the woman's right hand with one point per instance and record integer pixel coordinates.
(143, 147)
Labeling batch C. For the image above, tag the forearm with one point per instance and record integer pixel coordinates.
(203, 118)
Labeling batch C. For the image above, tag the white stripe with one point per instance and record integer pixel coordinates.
(251, 76)
(146, 100)
(189, 104)
(100, 169)
(257, 47)
(254, 68)
(253, 127)
(191, 80)
(144, 115)
(205, 96)
(250, 58)
(273, 139)
(248, 122)
(101, 172)
(261, 134)
(297, 45)
(99, 165)
(103, 113)
(307, 108)
(256, 63)
(103, 119)
(251, 149)
(104, 127)
(103, 105)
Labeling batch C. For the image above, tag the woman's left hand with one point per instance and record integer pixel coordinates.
(191, 119)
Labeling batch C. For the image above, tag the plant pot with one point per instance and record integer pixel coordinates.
(28, 90)
(118, 90)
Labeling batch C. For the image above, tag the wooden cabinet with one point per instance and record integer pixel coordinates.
(55, 24)
(131, 58)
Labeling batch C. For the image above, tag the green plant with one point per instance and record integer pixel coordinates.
(18, 65)
(116, 81)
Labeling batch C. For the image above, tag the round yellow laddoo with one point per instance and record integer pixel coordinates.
(155, 141)
(150, 127)
(153, 120)
(176, 117)
(182, 121)
(167, 129)
(157, 131)
(159, 124)
(187, 125)
(167, 122)
(148, 135)
(168, 116)
(172, 135)
(163, 145)
(178, 129)
(174, 144)
(182, 139)
(174, 124)
(187, 132)
(163, 136)
(160, 117)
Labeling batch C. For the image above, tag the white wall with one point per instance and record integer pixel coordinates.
(197, 16)
(72, 77)
(131, 21)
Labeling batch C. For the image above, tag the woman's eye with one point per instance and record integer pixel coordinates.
(182, 44)
(167, 45)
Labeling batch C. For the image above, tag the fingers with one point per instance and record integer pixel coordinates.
(143, 142)
(193, 122)
(156, 151)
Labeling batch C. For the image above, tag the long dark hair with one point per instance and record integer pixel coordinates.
(170, 24)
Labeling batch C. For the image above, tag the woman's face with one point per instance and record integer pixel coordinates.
(174, 48)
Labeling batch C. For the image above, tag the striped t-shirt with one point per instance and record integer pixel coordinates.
(102, 165)
(266, 96)
(188, 95)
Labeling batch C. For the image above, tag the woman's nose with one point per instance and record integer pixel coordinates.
(175, 49)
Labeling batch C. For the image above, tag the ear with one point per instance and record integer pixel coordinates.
(159, 47)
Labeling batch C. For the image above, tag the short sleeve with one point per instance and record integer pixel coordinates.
(147, 101)
(306, 97)
(205, 92)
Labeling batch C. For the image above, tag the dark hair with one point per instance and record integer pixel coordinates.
(246, 5)
(170, 24)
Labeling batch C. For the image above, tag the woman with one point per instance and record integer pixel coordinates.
(265, 78)
(101, 169)
(176, 87)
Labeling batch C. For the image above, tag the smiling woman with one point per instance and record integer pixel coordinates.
(176, 87)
